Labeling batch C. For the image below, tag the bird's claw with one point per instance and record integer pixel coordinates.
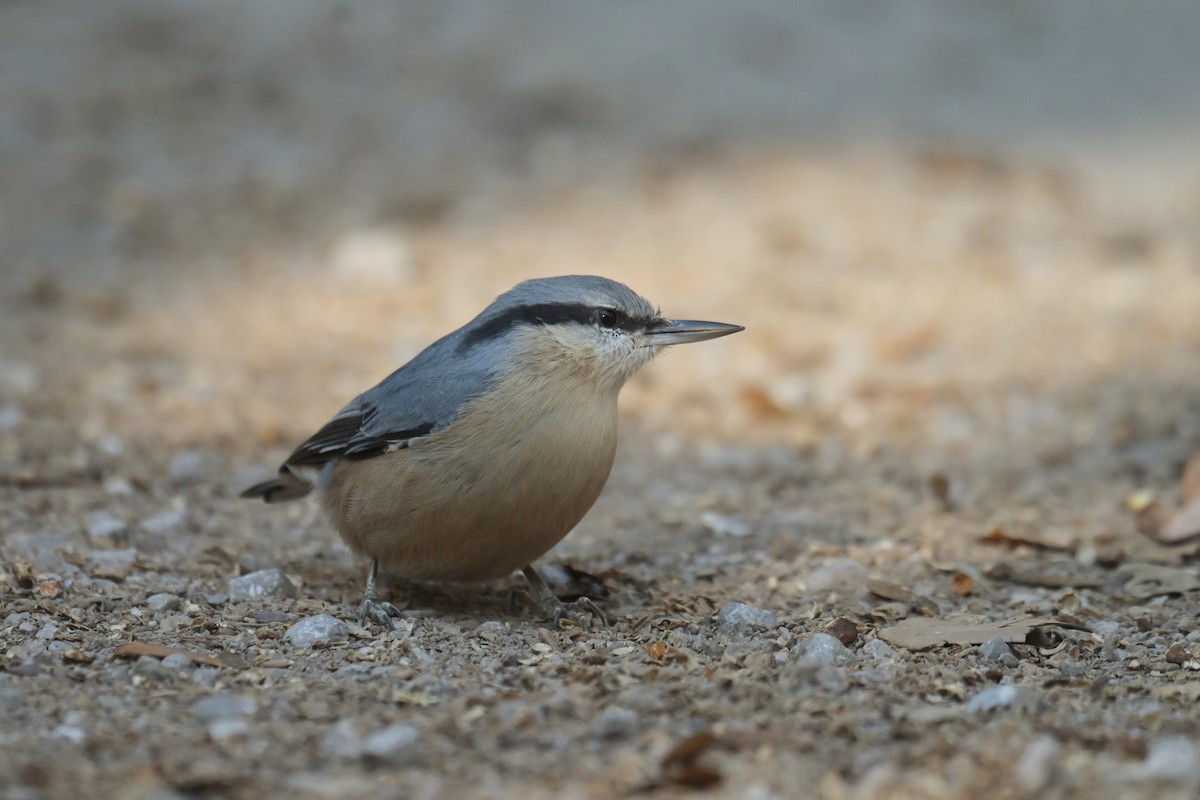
(580, 612)
(378, 611)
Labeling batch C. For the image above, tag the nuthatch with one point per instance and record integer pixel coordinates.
(484, 451)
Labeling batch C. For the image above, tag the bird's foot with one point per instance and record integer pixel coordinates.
(373, 609)
(378, 611)
(578, 612)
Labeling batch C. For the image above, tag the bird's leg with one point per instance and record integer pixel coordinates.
(578, 611)
(373, 609)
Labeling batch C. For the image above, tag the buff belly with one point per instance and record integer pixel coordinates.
(480, 499)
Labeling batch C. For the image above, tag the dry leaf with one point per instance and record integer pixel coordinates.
(920, 633)
(1151, 580)
(1047, 538)
(962, 584)
(76, 656)
(843, 630)
(890, 591)
(682, 766)
(138, 649)
(1053, 576)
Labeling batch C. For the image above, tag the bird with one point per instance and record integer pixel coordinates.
(485, 450)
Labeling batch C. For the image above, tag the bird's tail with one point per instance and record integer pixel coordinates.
(286, 486)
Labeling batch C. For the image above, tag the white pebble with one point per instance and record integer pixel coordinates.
(321, 630)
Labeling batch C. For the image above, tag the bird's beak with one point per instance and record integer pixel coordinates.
(681, 331)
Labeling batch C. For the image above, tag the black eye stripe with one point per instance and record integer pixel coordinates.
(545, 314)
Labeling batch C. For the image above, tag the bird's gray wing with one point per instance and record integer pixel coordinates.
(421, 397)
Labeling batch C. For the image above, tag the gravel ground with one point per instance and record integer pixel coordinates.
(884, 543)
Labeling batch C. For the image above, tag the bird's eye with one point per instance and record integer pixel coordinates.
(606, 317)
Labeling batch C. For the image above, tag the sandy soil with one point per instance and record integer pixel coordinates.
(961, 374)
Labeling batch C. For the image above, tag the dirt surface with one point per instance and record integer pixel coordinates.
(967, 380)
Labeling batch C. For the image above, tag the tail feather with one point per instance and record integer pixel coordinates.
(287, 486)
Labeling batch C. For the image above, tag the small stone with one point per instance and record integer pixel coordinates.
(223, 705)
(72, 733)
(103, 525)
(1176, 654)
(113, 564)
(879, 650)
(178, 661)
(1038, 765)
(342, 741)
(206, 676)
(397, 745)
(265, 584)
(1173, 761)
(1072, 669)
(996, 697)
(994, 649)
(615, 723)
(840, 573)
(821, 648)
(221, 729)
(321, 630)
(163, 602)
(741, 618)
(164, 523)
(187, 467)
(723, 525)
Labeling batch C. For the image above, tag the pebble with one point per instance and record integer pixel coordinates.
(177, 661)
(223, 705)
(163, 602)
(102, 525)
(164, 523)
(71, 733)
(187, 467)
(837, 574)
(1038, 765)
(723, 525)
(222, 729)
(206, 676)
(994, 649)
(742, 618)
(1072, 669)
(997, 697)
(342, 741)
(822, 648)
(615, 723)
(321, 630)
(397, 745)
(878, 649)
(1174, 760)
(1176, 654)
(115, 564)
(261, 585)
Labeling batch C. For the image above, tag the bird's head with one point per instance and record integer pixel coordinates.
(594, 326)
